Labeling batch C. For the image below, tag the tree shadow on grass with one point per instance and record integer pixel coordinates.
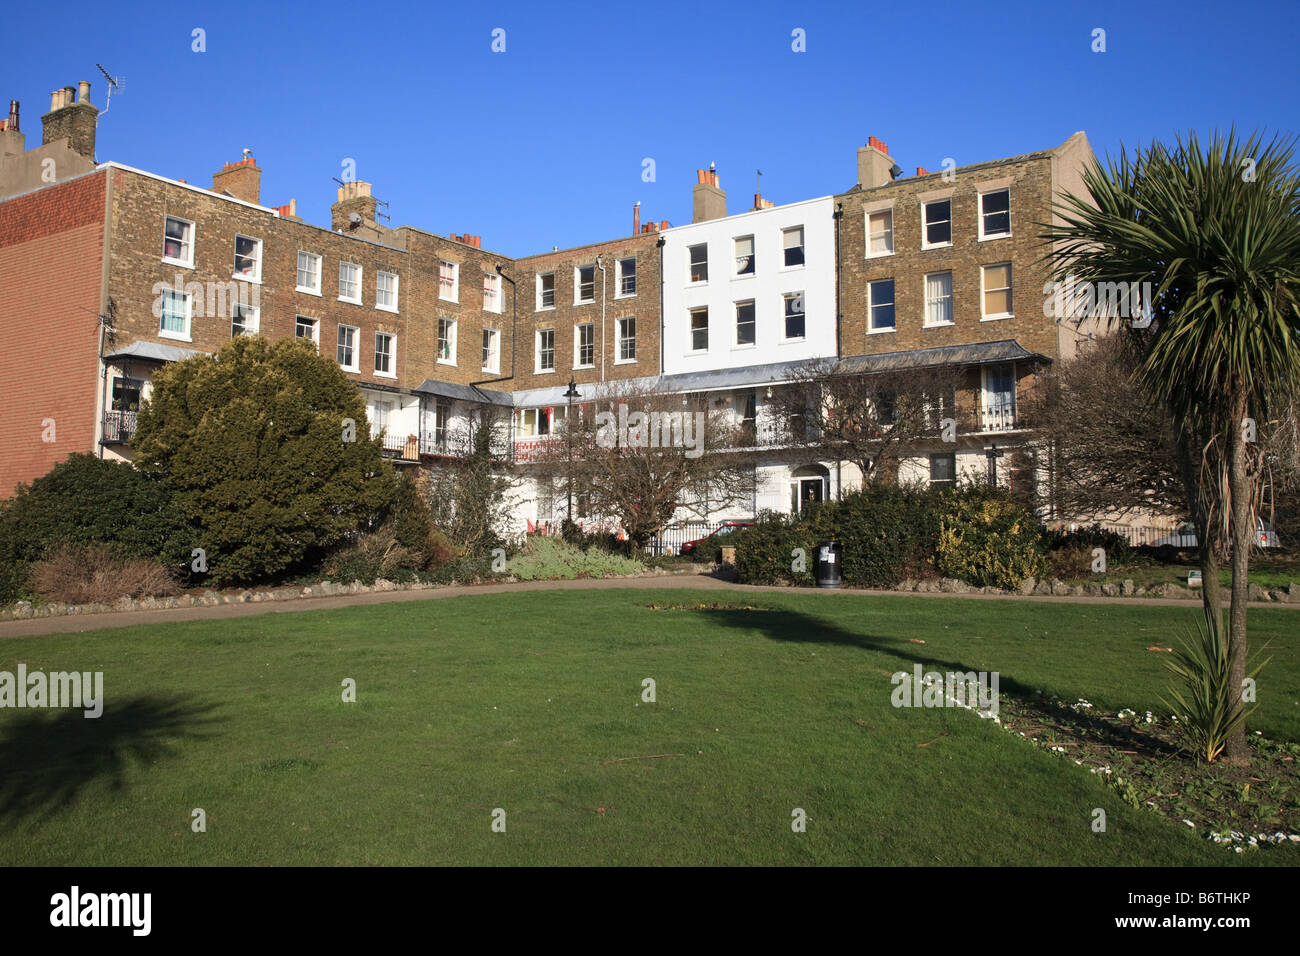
(48, 757)
(795, 626)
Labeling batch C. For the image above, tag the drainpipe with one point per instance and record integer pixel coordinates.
(660, 244)
(514, 345)
(600, 264)
(838, 216)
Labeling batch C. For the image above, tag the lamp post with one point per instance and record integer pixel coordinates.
(993, 455)
(570, 395)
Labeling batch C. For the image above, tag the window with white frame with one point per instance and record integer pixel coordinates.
(626, 332)
(626, 277)
(349, 282)
(584, 284)
(491, 350)
(792, 245)
(447, 341)
(248, 259)
(699, 329)
(386, 291)
(178, 241)
(997, 291)
(546, 350)
(441, 423)
(491, 293)
(243, 320)
(309, 273)
(545, 290)
(699, 260)
(379, 411)
(305, 328)
(584, 345)
(347, 347)
(880, 233)
(745, 256)
(745, 323)
(385, 352)
(938, 298)
(880, 305)
(174, 321)
(936, 223)
(448, 281)
(794, 315)
(995, 214)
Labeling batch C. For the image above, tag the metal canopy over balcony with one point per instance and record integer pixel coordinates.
(154, 352)
(975, 353)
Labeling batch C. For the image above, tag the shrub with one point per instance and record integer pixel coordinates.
(988, 541)
(98, 574)
(1208, 705)
(84, 500)
(411, 523)
(254, 446)
(551, 558)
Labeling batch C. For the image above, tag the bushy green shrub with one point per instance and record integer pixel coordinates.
(86, 500)
(546, 558)
(989, 541)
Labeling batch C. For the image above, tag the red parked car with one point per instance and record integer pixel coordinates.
(721, 531)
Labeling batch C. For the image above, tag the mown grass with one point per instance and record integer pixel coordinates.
(532, 702)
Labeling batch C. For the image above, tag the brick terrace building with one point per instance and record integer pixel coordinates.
(109, 272)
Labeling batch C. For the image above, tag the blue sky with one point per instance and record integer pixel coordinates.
(543, 144)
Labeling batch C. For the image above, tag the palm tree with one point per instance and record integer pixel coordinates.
(1216, 232)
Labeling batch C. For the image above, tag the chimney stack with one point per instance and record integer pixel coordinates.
(709, 201)
(243, 180)
(72, 120)
(636, 219)
(875, 166)
(354, 198)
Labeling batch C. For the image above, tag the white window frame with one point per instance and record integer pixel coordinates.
(255, 324)
(888, 233)
(537, 352)
(182, 336)
(188, 263)
(802, 247)
(925, 243)
(494, 351)
(539, 306)
(493, 282)
(577, 284)
(735, 342)
(691, 265)
(925, 299)
(621, 339)
(577, 345)
(736, 257)
(986, 236)
(619, 293)
(315, 327)
(802, 298)
(360, 273)
(391, 353)
(379, 284)
(1011, 278)
(871, 307)
(338, 345)
(691, 348)
(256, 275)
(455, 281)
(310, 256)
(451, 327)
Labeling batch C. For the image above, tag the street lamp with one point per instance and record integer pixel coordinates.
(993, 455)
(570, 395)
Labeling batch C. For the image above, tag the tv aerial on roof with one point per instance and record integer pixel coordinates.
(114, 83)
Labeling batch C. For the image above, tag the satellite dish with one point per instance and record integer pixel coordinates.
(355, 218)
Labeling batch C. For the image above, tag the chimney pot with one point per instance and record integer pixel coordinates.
(12, 122)
(636, 218)
(83, 91)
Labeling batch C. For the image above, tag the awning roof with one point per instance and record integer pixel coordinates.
(463, 393)
(976, 353)
(154, 352)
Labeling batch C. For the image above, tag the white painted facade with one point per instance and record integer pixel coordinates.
(766, 286)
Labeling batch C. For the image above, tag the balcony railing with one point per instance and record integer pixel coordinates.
(1000, 417)
(118, 427)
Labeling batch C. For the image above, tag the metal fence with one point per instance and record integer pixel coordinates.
(671, 539)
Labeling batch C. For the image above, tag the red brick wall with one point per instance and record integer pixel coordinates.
(51, 247)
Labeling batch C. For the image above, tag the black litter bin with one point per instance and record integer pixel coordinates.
(829, 564)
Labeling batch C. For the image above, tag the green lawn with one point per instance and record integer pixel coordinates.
(524, 702)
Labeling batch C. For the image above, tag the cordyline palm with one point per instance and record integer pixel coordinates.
(1216, 232)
